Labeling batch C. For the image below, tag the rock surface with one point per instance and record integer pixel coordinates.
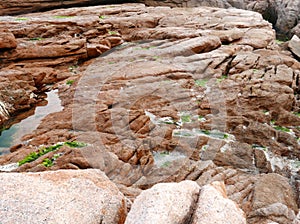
(165, 203)
(203, 94)
(294, 45)
(11, 7)
(64, 196)
(283, 14)
(214, 207)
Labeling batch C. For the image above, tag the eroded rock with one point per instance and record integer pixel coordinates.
(203, 94)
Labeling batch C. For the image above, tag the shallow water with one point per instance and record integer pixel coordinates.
(13, 135)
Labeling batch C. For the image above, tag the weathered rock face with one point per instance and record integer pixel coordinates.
(283, 14)
(165, 203)
(201, 94)
(185, 202)
(214, 207)
(65, 196)
(11, 7)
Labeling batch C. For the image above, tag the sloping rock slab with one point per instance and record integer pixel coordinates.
(64, 196)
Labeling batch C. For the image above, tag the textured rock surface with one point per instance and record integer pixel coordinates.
(202, 94)
(7, 39)
(214, 207)
(283, 14)
(273, 199)
(9, 7)
(294, 45)
(65, 196)
(165, 203)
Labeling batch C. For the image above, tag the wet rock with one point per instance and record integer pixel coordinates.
(165, 202)
(85, 196)
(214, 207)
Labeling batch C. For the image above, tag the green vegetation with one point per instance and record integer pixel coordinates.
(73, 68)
(219, 80)
(266, 112)
(214, 134)
(70, 82)
(113, 32)
(75, 144)
(21, 19)
(254, 146)
(62, 17)
(166, 164)
(101, 17)
(279, 41)
(164, 153)
(36, 39)
(280, 128)
(44, 150)
(47, 162)
(186, 118)
(182, 133)
(50, 162)
(201, 82)
(201, 118)
(297, 114)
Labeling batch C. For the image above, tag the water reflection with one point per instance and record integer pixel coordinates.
(13, 135)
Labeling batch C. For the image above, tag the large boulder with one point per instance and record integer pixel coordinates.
(165, 203)
(214, 207)
(64, 196)
(185, 202)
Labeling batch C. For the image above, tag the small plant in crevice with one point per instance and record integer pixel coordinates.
(21, 19)
(73, 69)
(297, 114)
(110, 32)
(279, 41)
(70, 82)
(102, 17)
(185, 118)
(50, 162)
(280, 128)
(36, 39)
(223, 77)
(255, 146)
(201, 82)
(166, 164)
(44, 150)
(47, 162)
(164, 153)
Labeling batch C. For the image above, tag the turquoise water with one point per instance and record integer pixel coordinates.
(13, 135)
